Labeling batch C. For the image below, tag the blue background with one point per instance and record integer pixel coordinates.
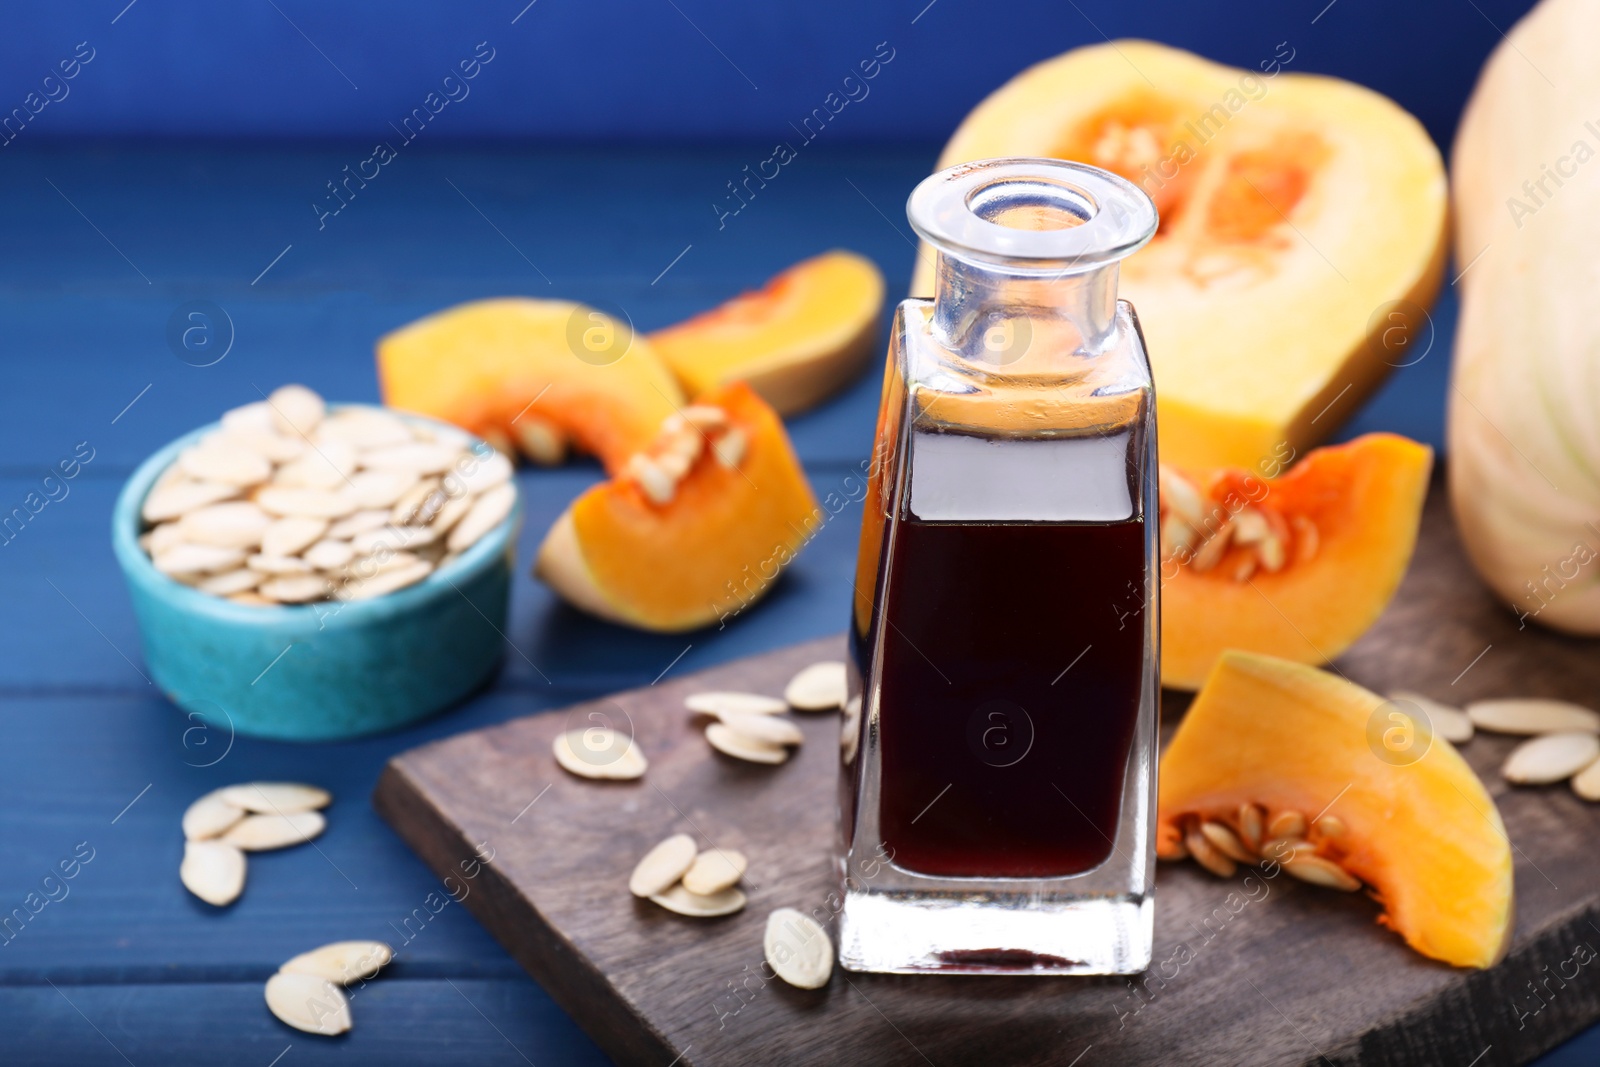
(180, 168)
(667, 70)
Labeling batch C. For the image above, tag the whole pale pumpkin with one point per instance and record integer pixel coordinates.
(1524, 418)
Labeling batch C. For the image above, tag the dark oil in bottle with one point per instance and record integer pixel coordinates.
(1011, 668)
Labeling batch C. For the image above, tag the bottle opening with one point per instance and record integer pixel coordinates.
(1030, 204)
(1044, 215)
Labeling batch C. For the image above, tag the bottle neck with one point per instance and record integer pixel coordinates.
(1020, 320)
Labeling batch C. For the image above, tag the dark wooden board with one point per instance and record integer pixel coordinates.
(1269, 971)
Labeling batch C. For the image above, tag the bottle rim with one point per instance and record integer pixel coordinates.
(1032, 214)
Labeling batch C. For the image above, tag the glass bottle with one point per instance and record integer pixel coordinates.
(999, 745)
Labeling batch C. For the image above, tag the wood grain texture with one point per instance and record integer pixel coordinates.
(1265, 971)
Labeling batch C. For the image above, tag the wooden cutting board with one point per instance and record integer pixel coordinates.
(1268, 972)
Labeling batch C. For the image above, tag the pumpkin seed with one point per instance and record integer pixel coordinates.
(378, 489)
(280, 798)
(228, 583)
(769, 729)
(330, 555)
(850, 730)
(1179, 495)
(1532, 717)
(1226, 842)
(1452, 724)
(1329, 826)
(452, 513)
(714, 870)
(308, 1002)
(1318, 871)
(296, 410)
(489, 510)
(294, 588)
(269, 444)
(255, 417)
(1279, 849)
(819, 687)
(195, 559)
(1272, 554)
(209, 816)
(704, 416)
(1307, 539)
(291, 536)
(393, 538)
(253, 599)
(1551, 758)
(262, 833)
(360, 522)
(278, 564)
(327, 466)
(212, 871)
(798, 949)
(387, 581)
(364, 428)
(1211, 552)
(308, 503)
(1207, 855)
(683, 902)
(653, 481)
(539, 440)
(160, 538)
(730, 742)
(224, 462)
(1250, 527)
(341, 962)
(181, 497)
(730, 446)
(599, 752)
(418, 457)
(1287, 824)
(731, 703)
(477, 473)
(1586, 783)
(234, 524)
(663, 866)
(1250, 826)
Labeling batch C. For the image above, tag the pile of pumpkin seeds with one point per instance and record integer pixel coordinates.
(307, 993)
(220, 827)
(289, 503)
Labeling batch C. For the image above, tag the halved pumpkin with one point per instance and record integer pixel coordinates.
(796, 341)
(543, 373)
(1297, 566)
(1294, 208)
(1411, 821)
(674, 544)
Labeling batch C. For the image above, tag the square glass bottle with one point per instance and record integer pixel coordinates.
(999, 745)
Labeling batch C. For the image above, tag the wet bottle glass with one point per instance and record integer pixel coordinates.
(999, 744)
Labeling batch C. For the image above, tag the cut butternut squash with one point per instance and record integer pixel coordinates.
(1408, 817)
(542, 373)
(1297, 566)
(1294, 209)
(795, 341)
(697, 526)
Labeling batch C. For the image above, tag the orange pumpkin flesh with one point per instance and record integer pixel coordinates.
(796, 341)
(1347, 516)
(1420, 831)
(501, 367)
(1302, 230)
(705, 555)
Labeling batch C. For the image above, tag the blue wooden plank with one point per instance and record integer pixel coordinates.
(503, 1022)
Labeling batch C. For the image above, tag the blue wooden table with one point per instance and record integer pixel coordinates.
(101, 246)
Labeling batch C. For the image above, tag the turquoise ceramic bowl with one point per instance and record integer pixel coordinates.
(324, 671)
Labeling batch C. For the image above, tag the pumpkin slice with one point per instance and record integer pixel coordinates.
(542, 373)
(1408, 816)
(1294, 209)
(695, 529)
(796, 341)
(1297, 566)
